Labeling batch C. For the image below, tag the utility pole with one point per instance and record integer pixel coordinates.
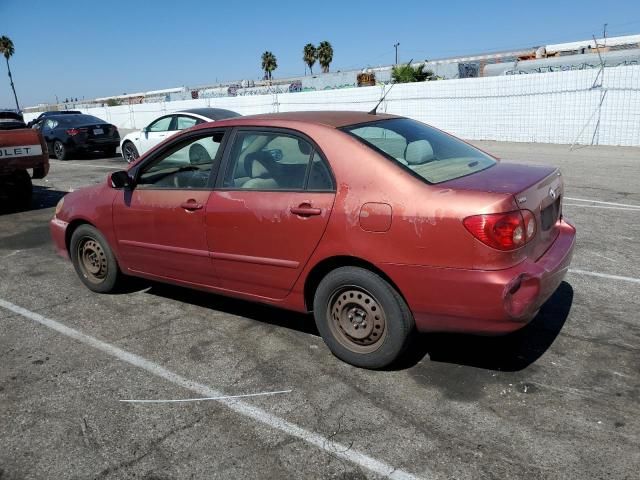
(396, 45)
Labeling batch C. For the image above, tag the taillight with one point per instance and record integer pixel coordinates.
(75, 131)
(503, 231)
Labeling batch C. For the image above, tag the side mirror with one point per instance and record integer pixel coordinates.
(121, 179)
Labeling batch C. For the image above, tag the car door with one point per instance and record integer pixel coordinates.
(268, 211)
(156, 132)
(160, 222)
(47, 127)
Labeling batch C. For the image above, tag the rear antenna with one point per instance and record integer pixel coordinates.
(374, 109)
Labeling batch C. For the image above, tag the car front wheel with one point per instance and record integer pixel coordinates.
(362, 318)
(93, 259)
(129, 152)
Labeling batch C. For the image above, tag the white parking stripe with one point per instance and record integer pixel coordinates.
(604, 275)
(201, 399)
(600, 206)
(239, 406)
(600, 201)
(69, 164)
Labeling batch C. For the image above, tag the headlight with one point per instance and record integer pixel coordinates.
(59, 206)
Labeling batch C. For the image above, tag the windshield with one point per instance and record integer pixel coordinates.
(425, 151)
(78, 119)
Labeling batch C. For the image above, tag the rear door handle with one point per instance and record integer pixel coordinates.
(191, 205)
(305, 210)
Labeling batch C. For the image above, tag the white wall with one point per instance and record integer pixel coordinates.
(560, 107)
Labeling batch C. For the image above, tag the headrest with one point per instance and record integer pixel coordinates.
(198, 155)
(418, 152)
(304, 146)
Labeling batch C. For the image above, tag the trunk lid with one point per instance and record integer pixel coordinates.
(537, 188)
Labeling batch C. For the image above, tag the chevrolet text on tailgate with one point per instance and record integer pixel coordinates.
(379, 225)
(21, 150)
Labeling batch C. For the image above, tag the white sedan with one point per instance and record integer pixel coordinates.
(138, 142)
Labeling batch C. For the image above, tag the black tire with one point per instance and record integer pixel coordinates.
(17, 190)
(129, 152)
(93, 259)
(110, 152)
(24, 189)
(362, 319)
(60, 151)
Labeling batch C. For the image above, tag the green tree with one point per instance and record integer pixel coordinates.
(269, 63)
(325, 55)
(407, 74)
(310, 56)
(7, 49)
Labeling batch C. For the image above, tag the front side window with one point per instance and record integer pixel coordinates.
(160, 125)
(188, 165)
(425, 151)
(269, 161)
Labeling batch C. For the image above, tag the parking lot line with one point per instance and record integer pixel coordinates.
(69, 164)
(604, 275)
(600, 206)
(201, 399)
(239, 406)
(602, 202)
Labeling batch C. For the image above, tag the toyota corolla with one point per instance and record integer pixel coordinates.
(380, 225)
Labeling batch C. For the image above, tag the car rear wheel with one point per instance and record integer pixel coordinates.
(93, 259)
(60, 151)
(129, 152)
(362, 318)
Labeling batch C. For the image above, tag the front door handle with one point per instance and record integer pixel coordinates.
(305, 210)
(191, 205)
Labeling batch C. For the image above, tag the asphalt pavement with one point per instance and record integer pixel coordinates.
(558, 399)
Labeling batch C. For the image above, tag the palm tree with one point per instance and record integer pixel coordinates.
(6, 48)
(269, 63)
(407, 73)
(310, 56)
(325, 55)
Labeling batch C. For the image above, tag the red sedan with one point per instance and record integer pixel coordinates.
(378, 224)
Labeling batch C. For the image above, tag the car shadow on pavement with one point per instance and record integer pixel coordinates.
(508, 353)
(43, 197)
(255, 311)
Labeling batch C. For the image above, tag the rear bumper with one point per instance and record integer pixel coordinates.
(481, 301)
(58, 229)
(89, 145)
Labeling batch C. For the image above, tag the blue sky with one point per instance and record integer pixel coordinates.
(74, 48)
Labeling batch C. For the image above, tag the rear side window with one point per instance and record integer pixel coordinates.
(185, 122)
(426, 152)
(275, 161)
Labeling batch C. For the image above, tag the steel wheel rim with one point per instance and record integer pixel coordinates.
(356, 319)
(129, 154)
(92, 260)
(58, 148)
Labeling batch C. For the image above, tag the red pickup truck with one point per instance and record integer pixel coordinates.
(22, 150)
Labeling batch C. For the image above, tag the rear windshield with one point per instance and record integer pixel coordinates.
(78, 119)
(426, 152)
